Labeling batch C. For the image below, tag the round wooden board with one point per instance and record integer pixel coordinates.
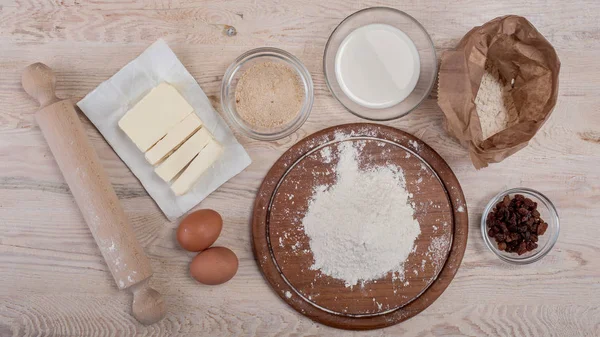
(283, 252)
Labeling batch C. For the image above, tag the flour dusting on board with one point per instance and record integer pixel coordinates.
(363, 226)
(327, 156)
(438, 249)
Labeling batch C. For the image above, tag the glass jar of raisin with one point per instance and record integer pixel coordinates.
(520, 225)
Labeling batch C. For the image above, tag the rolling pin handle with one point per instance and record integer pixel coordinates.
(39, 82)
(148, 305)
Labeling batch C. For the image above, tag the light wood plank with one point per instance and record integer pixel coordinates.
(53, 281)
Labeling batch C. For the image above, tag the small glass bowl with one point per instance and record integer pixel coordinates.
(415, 31)
(545, 242)
(235, 71)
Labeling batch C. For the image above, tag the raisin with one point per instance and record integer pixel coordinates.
(500, 237)
(542, 227)
(513, 219)
(505, 214)
(502, 245)
(506, 200)
(522, 248)
(529, 203)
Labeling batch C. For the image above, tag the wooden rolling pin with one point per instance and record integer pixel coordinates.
(94, 194)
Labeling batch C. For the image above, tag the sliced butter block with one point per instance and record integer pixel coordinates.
(183, 155)
(177, 135)
(150, 119)
(197, 167)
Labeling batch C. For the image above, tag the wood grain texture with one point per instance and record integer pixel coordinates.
(54, 282)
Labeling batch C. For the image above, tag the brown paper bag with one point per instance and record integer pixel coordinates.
(519, 51)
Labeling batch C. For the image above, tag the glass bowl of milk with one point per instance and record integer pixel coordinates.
(380, 63)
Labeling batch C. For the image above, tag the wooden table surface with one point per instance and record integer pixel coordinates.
(54, 282)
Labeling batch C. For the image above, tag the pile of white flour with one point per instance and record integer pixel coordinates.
(362, 227)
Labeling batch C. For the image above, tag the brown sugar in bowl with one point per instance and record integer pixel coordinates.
(261, 130)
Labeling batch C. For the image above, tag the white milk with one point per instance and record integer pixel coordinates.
(377, 66)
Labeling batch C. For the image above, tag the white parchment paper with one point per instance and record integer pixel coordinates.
(106, 104)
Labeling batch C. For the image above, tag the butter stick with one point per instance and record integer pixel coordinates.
(197, 167)
(183, 155)
(175, 137)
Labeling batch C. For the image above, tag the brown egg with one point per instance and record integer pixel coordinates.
(213, 266)
(199, 230)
